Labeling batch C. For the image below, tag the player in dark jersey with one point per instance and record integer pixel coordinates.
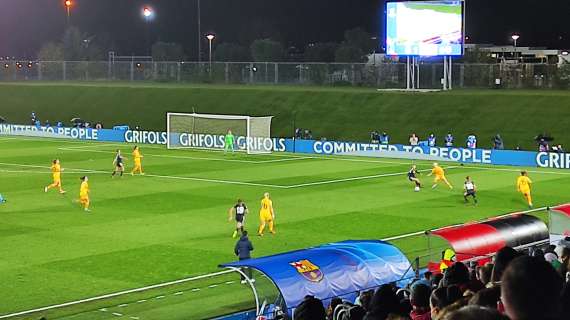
(119, 164)
(239, 211)
(413, 177)
(469, 190)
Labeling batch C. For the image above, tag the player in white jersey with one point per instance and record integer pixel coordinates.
(469, 190)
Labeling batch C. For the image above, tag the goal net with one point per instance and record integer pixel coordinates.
(208, 131)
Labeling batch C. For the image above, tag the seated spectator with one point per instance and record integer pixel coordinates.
(374, 137)
(436, 280)
(475, 313)
(564, 268)
(59, 124)
(310, 309)
(426, 280)
(484, 273)
(531, 289)
(431, 140)
(298, 133)
(558, 148)
(502, 259)
(384, 138)
(498, 143)
(384, 303)
(98, 125)
(442, 297)
(458, 274)
(420, 302)
(364, 299)
(472, 141)
(543, 145)
(449, 140)
(462, 302)
(414, 140)
(47, 124)
(335, 302)
(488, 297)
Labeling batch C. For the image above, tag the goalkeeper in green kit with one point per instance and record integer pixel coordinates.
(230, 142)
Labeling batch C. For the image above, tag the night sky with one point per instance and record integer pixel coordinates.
(26, 24)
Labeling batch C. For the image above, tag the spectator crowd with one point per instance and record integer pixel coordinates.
(471, 142)
(515, 286)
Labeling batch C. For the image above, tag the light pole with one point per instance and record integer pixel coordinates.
(199, 34)
(210, 38)
(68, 4)
(148, 14)
(515, 37)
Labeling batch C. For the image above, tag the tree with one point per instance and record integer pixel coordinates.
(265, 50)
(356, 45)
(349, 54)
(167, 51)
(360, 39)
(231, 52)
(51, 51)
(477, 56)
(321, 52)
(73, 45)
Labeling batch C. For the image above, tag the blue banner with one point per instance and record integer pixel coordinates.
(463, 155)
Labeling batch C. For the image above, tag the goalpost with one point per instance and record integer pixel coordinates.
(208, 131)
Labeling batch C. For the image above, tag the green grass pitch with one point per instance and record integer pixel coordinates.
(172, 223)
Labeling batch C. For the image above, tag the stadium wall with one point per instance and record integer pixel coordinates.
(462, 155)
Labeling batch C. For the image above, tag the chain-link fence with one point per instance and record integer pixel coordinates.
(383, 75)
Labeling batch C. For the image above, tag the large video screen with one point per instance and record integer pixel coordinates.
(424, 28)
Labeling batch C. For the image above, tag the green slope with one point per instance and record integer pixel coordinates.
(342, 114)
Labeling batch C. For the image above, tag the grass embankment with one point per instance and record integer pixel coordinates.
(334, 113)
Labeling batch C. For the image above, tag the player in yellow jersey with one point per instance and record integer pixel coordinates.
(523, 186)
(266, 215)
(439, 174)
(84, 194)
(137, 158)
(56, 173)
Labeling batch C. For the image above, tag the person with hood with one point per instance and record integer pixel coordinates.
(384, 303)
(243, 250)
(498, 143)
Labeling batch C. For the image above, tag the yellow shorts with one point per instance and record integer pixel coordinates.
(84, 200)
(439, 178)
(265, 216)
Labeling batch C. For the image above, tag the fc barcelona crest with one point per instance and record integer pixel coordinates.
(308, 270)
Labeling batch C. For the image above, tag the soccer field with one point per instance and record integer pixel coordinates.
(172, 223)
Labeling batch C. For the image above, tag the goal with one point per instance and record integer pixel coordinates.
(208, 131)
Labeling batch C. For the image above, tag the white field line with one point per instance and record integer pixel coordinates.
(80, 149)
(116, 294)
(357, 178)
(518, 170)
(39, 172)
(417, 233)
(158, 176)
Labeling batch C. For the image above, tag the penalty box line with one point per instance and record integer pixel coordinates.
(155, 176)
(88, 149)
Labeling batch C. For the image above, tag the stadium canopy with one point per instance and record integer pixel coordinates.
(478, 240)
(559, 217)
(332, 270)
